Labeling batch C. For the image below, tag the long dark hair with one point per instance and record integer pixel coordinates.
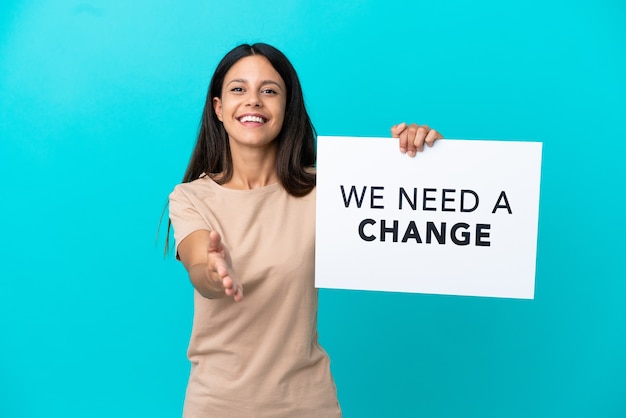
(295, 142)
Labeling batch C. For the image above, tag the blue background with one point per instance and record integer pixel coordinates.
(99, 107)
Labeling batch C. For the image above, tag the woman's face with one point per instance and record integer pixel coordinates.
(252, 106)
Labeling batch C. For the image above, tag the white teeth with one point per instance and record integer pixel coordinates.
(250, 118)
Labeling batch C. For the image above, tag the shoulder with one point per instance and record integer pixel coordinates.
(193, 188)
(188, 210)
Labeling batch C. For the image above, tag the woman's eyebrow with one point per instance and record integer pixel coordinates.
(276, 83)
(244, 81)
(238, 80)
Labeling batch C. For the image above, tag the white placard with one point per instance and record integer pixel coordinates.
(458, 219)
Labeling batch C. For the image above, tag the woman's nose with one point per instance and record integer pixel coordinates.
(254, 100)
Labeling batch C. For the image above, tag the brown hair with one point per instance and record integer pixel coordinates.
(295, 142)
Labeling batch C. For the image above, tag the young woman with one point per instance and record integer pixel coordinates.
(244, 223)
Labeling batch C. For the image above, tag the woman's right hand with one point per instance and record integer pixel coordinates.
(219, 267)
(209, 265)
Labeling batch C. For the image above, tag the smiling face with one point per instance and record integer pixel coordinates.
(252, 105)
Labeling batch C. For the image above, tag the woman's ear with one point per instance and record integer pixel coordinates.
(217, 106)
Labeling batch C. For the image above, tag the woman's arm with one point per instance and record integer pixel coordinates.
(209, 265)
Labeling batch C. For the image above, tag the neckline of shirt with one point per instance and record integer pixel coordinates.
(258, 190)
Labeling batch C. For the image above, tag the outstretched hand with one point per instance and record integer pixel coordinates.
(219, 267)
(413, 137)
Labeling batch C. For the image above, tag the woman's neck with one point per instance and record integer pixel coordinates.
(253, 168)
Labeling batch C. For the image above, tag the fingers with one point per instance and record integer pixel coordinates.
(418, 139)
(219, 267)
(232, 288)
(413, 137)
(399, 131)
(431, 137)
(396, 130)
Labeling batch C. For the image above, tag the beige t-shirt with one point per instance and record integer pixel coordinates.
(259, 357)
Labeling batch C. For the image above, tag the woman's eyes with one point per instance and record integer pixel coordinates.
(267, 91)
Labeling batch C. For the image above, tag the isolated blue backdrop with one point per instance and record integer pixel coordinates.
(99, 107)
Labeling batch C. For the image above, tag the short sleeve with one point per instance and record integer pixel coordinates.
(184, 216)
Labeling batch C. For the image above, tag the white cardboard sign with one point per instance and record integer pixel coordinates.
(458, 219)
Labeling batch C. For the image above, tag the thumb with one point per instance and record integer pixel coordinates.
(215, 242)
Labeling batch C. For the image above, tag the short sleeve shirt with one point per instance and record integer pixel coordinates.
(258, 357)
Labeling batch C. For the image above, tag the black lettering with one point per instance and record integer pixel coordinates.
(412, 203)
(412, 232)
(353, 193)
(440, 235)
(384, 230)
(505, 205)
(362, 227)
(480, 234)
(463, 208)
(444, 199)
(373, 196)
(464, 234)
(428, 199)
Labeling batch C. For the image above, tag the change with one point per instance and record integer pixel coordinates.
(459, 233)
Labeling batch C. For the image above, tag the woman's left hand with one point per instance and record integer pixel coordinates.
(413, 136)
